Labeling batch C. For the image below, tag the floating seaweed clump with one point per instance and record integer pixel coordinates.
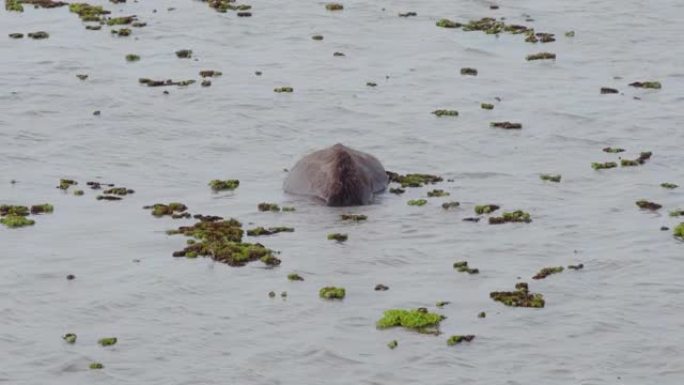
(392, 344)
(551, 178)
(576, 267)
(651, 84)
(613, 150)
(517, 216)
(122, 32)
(14, 210)
(669, 186)
(677, 213)
(462, 267)
(15, 221)
(446, 23)
(603, 166)
(88, 12)
(96, 365)
(257, 231)
(283, 90)
(38, 35)
(541, 56)
(210, 73)
(381, 287)
(506, 125)
(132, 57)
(174, 209)
(396, 190)
(608, 90)
(45, 208)
(521, 297)
(224, 6)
(454, 340)
(413, 180)
(371, 84)
(221, 185)
(122, 20)
(492, 26)
(353, 217)
(14, 5)
(16, 35)
(221, 240)
(268, 207)
(121, 191)
(288, 209)
(440, 113)
(317, 37)
(679, 231)
(481, 315)
(643, 157)
(647, 205)
(469, 71)
(419, 320)
(408, 14)
(487, 106)
(450, 205)
(417, 202)
(70, 338)
(485, 209)
(334, 7)
(163, 83)
(442, 303)
(108, 341)
(339, 237)
(184, 54)
(437, 193)
(545, 272)
(331, 292)
(294, 277)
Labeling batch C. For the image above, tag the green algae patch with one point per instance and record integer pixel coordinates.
(679, 231)
(288, 209)
(521, 297)
(419, 320)
(413, 180)
(88, 12)
(15, 221)
(648, 205)
(613, 150)
(132, 58)
(492, 26)
(14, 6)
(294, 277)
(268, 207)
(486, 209)
(96, 365)
(450, 205)
(517, 216)
(437, 193)
(462, 267)
(506, 125)
(446, 23)
(223, 185)
(221, 240)
(669, 186)
(396, 190)
(545, 272)
(417, 202)
(469, 71)
(122, 20)
(339, 237)
(281, 90)
(440, 113)
(184, 54)
(603, 166)
(107, 341)
(541, 56)
(550, 177)
(353, 217)
(677, 213)
(120, 191)
(457, 339)
(392, 344)
(14, 210)
(331, 292)
(69, 338)
(654, 85)
(334, 7)
(123, 32)
(487, 106)
(175, 210)
(45, 208)
(257, 231)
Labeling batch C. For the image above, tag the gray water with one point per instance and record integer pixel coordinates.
(181, 321)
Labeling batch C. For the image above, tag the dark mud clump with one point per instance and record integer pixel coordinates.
(16, 35)
(603, 166)
(221, 240)
(649, 84)
(184, 54)
(210, 74)
(419, 320)
(471, 219)
(257, 231)
(206, 83)
(450, 205)
(175, 210)
(481, 315)
(339, 237)
(339, 54)
(613, 150)
(353, 217)
(506, 125)
(396, 190)
(38, 35)
(669, 186)
(576, 267)
(121, 191)
(441, 304)
(437, 193)
(413, 180)
(462, 267)
(317, 37)
(331, 292)
(517, 216)
(469, 71)
(485, 209)
(545, 272)
(455, 340)
(164, 83)
(440, 113)
(381, 287)
(223, 185)
(541, 56)
(408, 14)
(521, 297)
(550, 178)
(371, 84)
(647, 205)
(268, 207)
(607, 90)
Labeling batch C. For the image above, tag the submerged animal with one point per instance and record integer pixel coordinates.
(338, 175)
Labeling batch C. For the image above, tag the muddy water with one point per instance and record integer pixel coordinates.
(179, 321)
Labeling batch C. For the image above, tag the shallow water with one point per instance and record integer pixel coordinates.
(179, 321)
